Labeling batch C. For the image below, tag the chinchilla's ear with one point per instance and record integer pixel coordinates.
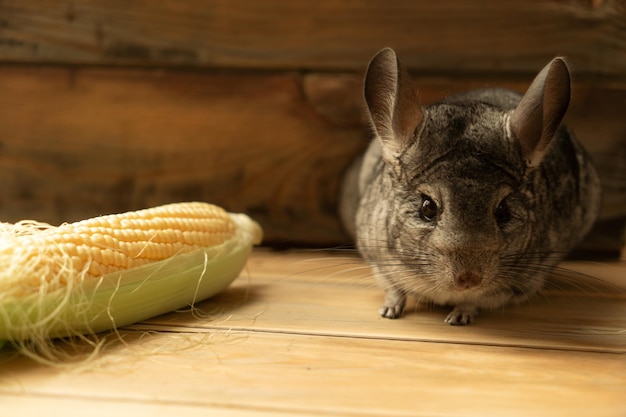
(392, 102)
(541, 110)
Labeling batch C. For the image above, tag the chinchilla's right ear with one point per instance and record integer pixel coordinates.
(394, 109)
(536, 118)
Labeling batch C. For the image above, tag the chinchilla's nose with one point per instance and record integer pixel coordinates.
(467, 280)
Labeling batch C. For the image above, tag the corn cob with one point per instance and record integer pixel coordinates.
(113, 270)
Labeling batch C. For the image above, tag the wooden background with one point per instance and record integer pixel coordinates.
(107, 106)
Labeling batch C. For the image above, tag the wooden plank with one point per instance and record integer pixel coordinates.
(451, 36)
(285, 373)
(74, 406)
(321, 295)
(297, 335)
(79, 142)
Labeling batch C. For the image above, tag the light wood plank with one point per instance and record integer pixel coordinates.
(314, 295)
(297, 334)
(451, 36)
(337, 376)
(75, 406)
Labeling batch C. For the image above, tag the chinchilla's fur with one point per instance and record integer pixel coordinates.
(472, 201)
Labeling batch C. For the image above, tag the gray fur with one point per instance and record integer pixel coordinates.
(467, 154)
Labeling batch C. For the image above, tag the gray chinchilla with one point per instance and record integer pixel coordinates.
(469, 202)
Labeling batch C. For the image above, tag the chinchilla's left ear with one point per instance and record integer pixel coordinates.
(540, 112)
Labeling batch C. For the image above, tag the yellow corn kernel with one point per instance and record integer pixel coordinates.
(111, 243)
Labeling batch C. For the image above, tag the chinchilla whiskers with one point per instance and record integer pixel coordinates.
(522, 279)
(521, 291)
(401, 256)
(393, 265)
(408, 282)
(558, 278)
(526, 257)
(581, 281)
(339, 266)
(389, 245)
(363, 273)
(527, 266)
(527, 269)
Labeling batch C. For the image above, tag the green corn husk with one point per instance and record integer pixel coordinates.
(124, 297)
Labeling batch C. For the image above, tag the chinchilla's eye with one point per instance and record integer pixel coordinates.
(502, 213)
(428, 209)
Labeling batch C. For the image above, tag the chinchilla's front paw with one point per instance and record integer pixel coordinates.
(461, 315)
(394, 304)
(390, 312)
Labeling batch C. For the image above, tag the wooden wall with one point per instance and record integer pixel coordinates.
(111, 105)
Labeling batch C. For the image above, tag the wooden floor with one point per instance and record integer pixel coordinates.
(298, 334)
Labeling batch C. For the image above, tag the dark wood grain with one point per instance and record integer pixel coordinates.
(448, 36)
(79, 142)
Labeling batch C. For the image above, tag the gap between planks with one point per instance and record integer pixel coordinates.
(165, 329)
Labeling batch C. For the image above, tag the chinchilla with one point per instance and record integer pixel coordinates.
(469, 202)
